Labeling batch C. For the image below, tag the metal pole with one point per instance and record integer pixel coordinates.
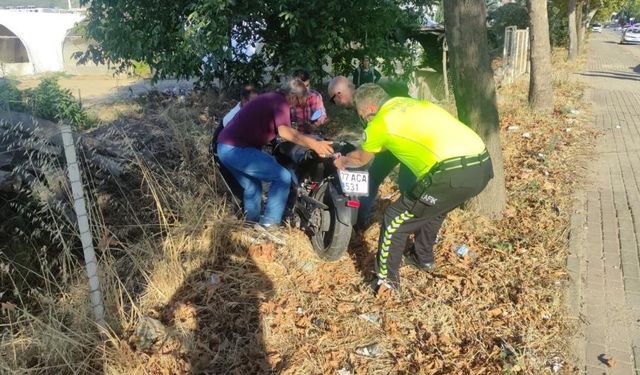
(83, 224)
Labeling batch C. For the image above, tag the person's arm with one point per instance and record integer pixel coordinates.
(318, 105)
(322, 148)
(376, 75)
(375, 141)
(356, 77)
(230, 115)
(354, 159)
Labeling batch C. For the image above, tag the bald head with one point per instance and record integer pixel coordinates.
(341, 91)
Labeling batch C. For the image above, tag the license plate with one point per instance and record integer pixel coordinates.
(355, 182)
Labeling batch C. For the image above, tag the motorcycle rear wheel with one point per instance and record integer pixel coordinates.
(332, 238)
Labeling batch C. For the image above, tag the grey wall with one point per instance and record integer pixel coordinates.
(11, 48)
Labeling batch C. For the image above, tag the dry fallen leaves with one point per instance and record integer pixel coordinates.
(332, 359)
(384, 293)
(610, 362)
(7, 307)
(274, 359)
(265, 251)
(495, 312)
(345, 307)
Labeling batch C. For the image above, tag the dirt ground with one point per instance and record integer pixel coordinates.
(107, 95)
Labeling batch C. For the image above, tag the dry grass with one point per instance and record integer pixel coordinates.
(284, 311)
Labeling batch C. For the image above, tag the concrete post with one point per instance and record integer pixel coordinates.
(83, 224)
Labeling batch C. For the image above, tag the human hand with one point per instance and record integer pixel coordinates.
(322, 148)
(340, 163)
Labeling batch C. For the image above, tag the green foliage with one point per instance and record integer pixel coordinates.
(632, 10)
(492, 5)
(52, 102)
(512, 14)
(174, 37)
(607, 8)
(558, 16)
(558, 23)
(10, 95)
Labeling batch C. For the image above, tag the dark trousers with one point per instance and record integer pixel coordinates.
(382, 165)
(422, 211)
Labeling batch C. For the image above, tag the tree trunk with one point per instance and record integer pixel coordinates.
(475, 92)
(586, 20)
(540, 85)
(573, 30)
(580, 29)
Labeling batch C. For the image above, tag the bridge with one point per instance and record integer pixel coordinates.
(31, 40)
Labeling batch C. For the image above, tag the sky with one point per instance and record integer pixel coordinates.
(39, 3)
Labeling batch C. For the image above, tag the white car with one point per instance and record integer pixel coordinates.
(631, 35)
(596, 28)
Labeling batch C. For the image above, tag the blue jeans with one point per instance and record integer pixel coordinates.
(382, 165)
(251, 167)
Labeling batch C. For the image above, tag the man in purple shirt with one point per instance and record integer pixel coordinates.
(240, 144)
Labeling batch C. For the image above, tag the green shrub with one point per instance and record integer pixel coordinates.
(141, 69)
(10, 96)
(52, 102)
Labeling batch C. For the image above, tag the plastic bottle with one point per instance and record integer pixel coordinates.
(464, 250)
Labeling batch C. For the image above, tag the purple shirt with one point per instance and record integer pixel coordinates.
(257, 122)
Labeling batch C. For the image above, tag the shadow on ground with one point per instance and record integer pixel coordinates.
(615, 75)
(216, 312)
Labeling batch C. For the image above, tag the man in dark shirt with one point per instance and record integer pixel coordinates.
(365, 73)
(240, 144)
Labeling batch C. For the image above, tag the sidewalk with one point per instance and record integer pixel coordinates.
(605, 228)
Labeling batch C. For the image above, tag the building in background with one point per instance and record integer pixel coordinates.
(39, 40)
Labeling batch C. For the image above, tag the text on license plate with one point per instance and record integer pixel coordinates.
(355, 183)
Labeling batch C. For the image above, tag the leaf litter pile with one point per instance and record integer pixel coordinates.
(209, 296)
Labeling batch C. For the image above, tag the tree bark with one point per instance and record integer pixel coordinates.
(540, 84)
(475, 92)
(579, 26)
(588, 15)
(573, 30)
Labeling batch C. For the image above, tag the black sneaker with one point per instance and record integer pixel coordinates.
(411, 259)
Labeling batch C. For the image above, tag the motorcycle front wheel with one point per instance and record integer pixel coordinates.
(331, 239)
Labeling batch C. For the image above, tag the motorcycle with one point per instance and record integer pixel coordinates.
(324, 201)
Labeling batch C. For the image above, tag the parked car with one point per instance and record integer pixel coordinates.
(596, 28)
(631, 35)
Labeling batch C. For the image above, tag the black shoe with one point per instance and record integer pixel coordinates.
(411, 259)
